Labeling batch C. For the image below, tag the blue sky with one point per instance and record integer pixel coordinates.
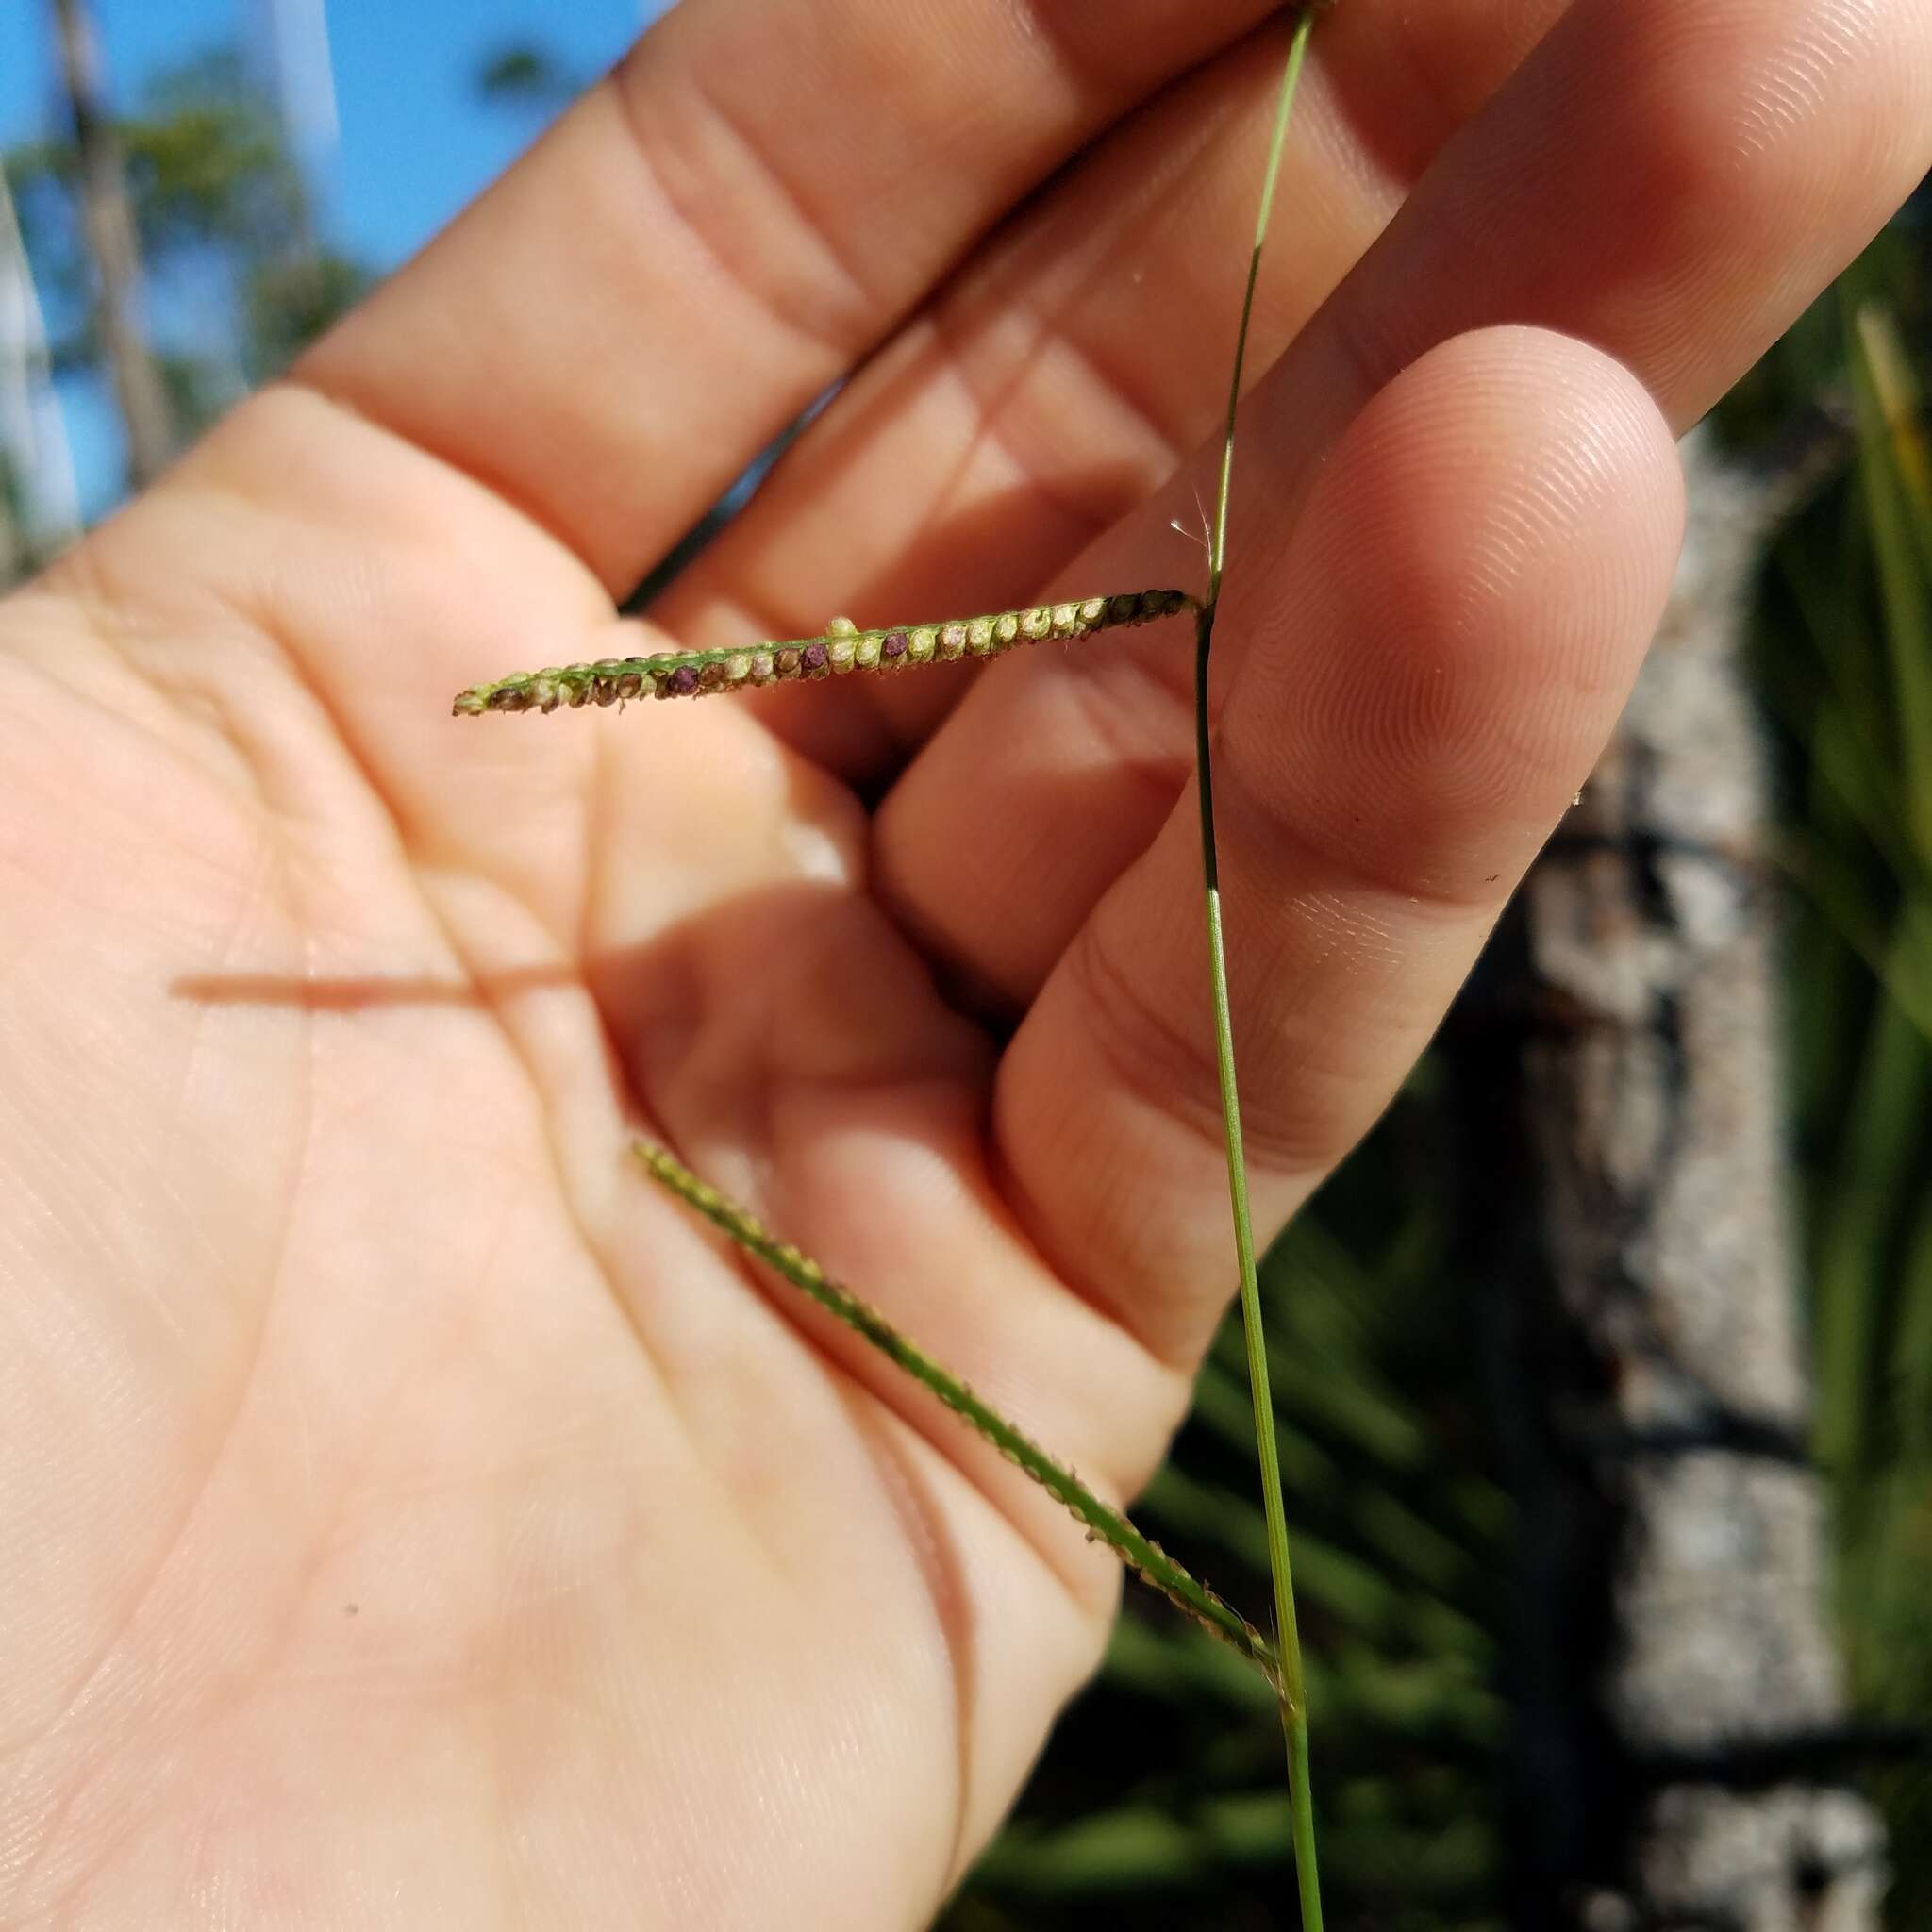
(414, 143)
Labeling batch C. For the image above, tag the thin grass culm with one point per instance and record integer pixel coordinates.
(1291, 1683)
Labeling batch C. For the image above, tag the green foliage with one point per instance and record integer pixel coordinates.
(522, 73)
(1159, 1803)
(288, 301)
(207, 166)
(237, 280)
(1845, 655)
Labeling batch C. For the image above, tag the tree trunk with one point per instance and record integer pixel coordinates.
(1679, 1690)
(112, 242)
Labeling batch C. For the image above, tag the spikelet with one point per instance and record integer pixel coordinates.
(841, 649)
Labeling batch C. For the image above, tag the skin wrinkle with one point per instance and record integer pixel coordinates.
(1108, 707)
(1135, 419)
(950, 1602)
(1016, 151)
(1066, 28)
(1182, 184)
(309, 380)
(81, 573)
(986, 405)
(830, 308)
(294, 664)
(168, 1550)
(1669, 163)
(1150, 1057)
(1434, 47)
(194, 1491)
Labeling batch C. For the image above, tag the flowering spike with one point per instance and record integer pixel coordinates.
(839, 650)
(1140, 1553)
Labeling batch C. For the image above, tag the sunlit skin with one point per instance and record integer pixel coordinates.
(409, 1516)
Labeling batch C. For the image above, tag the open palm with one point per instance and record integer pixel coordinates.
(407, 1516)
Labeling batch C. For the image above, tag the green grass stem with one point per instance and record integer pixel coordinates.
(1294, 1709)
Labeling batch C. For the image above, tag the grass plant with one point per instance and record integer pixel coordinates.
(842, 649)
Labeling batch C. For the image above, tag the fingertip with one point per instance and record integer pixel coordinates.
(1464, 604)
(1497, 459)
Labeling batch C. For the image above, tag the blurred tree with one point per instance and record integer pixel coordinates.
(108, 222)
(1682, 1699)
(224, 278)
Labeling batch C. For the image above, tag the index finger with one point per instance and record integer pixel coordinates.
(721, 228)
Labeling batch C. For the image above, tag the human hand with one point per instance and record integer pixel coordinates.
(411, 1515)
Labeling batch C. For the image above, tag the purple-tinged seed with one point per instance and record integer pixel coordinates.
(952, 639)
(813, 658)
(682, 681)
(763, 667)
(892, 646)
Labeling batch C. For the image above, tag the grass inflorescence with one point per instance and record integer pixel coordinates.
(836, 651)
(1140, 1553)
